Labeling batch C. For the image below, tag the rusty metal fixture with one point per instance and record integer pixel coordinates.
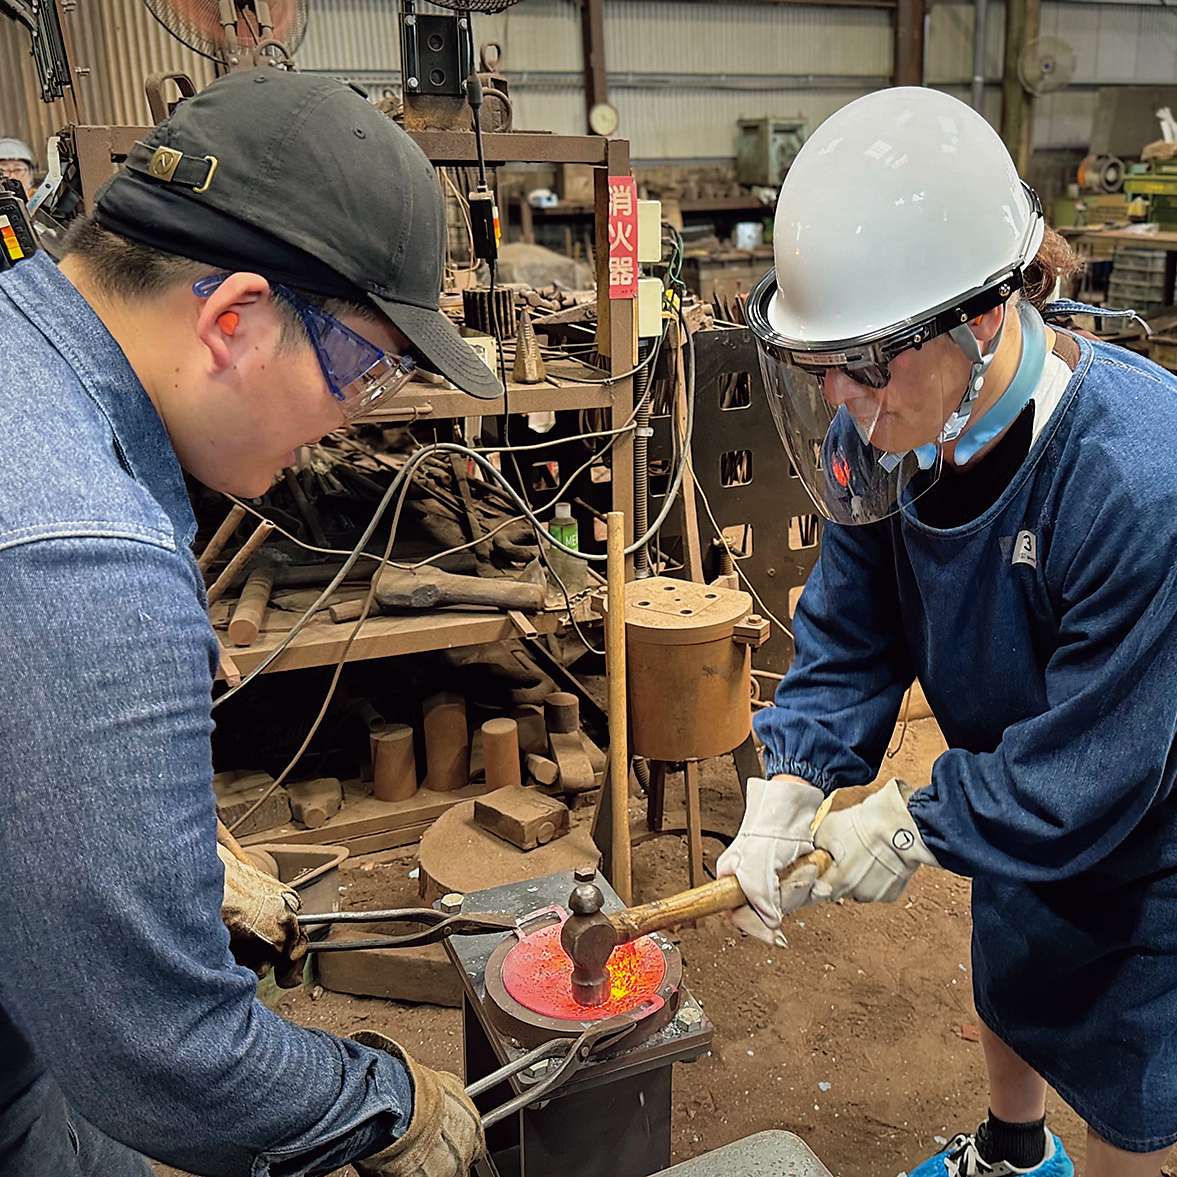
(681, 632)
(646, 976)
(624, 1085)
(529, 364)
(594, 938)
(476, 308)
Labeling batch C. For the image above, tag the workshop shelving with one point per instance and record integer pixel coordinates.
(322, 642)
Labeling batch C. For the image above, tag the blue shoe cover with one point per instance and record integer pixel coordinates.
(961, 1159)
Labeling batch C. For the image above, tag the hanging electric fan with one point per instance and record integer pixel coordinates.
(1046, 64)
(475, 5)
(234, 33)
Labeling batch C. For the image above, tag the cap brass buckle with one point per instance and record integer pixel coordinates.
(212, 168)
(165, 161)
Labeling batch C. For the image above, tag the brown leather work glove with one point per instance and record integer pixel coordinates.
(444, 1137)
(260, 912)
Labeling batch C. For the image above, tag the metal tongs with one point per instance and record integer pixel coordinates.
(439, 926)
(572, 1053)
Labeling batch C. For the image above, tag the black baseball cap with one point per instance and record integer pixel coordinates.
(301, 179)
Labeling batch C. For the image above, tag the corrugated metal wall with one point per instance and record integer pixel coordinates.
(116, 44)
(1114, 43)
(680, 73)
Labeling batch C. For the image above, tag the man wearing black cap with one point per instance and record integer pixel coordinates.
(265, 268)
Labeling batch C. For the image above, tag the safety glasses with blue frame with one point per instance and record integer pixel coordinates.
(359, 374)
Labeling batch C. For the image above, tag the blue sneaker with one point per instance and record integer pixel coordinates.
(961, 1159)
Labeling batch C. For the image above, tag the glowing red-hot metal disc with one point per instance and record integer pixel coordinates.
(537, 973)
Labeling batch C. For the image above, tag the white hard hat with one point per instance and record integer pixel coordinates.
(900, 204)
(16, 149)
(901, 221)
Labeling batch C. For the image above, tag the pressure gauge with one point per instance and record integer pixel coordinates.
(603, 119)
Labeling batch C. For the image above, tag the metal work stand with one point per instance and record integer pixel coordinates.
(613, 1118)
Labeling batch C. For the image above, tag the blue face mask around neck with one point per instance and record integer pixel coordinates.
(1011, 402)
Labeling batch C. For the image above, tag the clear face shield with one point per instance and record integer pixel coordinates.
(864, 422)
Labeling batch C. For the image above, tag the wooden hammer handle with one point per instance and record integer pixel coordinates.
(220, 538)
(231, 844)
(427, 588)
(722, 895)
(216, 590)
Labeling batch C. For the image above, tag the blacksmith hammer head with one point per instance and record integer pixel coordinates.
(589, 938)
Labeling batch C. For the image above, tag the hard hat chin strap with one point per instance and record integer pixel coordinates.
(925, 455)
(967, 342)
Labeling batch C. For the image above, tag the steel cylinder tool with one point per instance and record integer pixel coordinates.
(589, 936)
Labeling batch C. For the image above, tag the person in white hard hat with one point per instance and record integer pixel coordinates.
(16, 163)
(1001, 507)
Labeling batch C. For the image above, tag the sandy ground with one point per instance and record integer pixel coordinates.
(858, 1036)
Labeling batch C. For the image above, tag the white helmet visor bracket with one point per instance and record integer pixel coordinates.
(843, 438)
(964, 338)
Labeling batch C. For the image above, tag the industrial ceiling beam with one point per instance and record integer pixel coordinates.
(592, 39)
(908, 68)
(828, 3)
(1017, 104)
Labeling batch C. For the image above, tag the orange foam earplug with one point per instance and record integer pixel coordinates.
(228, 322)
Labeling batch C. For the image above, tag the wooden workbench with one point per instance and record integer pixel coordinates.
(322, 642)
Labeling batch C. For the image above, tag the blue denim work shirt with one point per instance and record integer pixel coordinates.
(117, 978)
(1044, 633)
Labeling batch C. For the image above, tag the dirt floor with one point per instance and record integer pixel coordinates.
(859, 1037)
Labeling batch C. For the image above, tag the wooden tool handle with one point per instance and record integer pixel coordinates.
(402, 588)
(621, 874)
(220, 538)
(246, 621)
(217, 589)
(231, 844)
(722, 895)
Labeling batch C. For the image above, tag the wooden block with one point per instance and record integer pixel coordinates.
(447, 748)
(225, 784)
(363, 817)
(533, 734)
(500, 750)
(314, 802)
(477, 758)
(523, 817)
(576, 770)
(394, 762)
(274, 811)
(543, 771)
(246, 621)
(597, 757)
(458, 855)
(562, 712)
(918, 706)
(349, 611)
(397, 974)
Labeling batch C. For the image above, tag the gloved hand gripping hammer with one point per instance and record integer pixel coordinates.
(589, 935)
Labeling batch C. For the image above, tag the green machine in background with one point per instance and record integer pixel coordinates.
(765, 148)
(1157, 186)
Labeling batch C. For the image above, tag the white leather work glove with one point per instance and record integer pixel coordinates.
(876, 847)
(776, 829)
(260, 913)
(444, 1137)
